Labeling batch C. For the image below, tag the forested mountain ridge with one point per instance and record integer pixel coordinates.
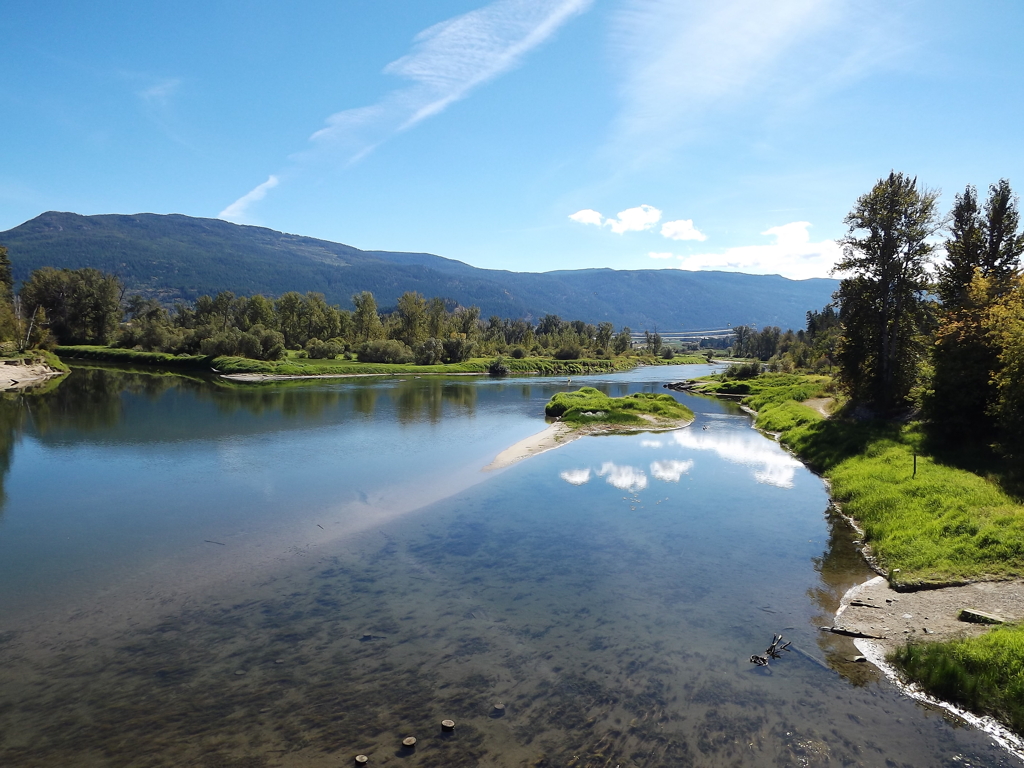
(172, 257)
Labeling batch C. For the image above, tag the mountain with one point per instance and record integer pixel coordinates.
(175, 257)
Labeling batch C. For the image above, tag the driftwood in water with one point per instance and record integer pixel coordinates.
(774, 651)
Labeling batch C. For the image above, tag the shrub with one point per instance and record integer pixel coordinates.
(667, 353)
(429, 352)
(498, 367)
(324, 350)
(743, 371)
(390, 351)
(518, 353)
(457, 350)
(569, 352)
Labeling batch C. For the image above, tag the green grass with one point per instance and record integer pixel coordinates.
(302, 366)
(589, 406)
(132, 357)
(984, 674)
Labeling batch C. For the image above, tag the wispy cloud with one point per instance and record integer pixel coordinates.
(237, 210)
(447, 62)
(792, 255)
(159, 94)
(679, 60)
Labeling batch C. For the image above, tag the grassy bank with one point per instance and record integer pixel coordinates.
(299, 366)
(589, 406)
(983, 674)
(942, 524)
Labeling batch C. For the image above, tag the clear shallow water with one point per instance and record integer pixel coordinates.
(609, 593)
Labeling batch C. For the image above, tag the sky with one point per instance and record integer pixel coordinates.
(528, 135)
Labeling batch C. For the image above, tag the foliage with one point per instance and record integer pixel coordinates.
(984, 674)
(588, 406)
(882, 304)
(325, 350)
(972, 389)
(1007, 331)
(390, 351)
(81, 306)
(498, 367)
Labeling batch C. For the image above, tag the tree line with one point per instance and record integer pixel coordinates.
(86, 306)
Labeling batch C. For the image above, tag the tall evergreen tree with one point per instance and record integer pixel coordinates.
(882, 303)
(982, 258)
(963, 249)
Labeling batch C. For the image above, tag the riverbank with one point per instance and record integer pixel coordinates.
(942, 535)
(242, 369)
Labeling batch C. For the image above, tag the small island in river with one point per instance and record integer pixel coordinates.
(588, 411)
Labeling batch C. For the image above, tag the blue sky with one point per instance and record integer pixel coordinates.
(517, 134)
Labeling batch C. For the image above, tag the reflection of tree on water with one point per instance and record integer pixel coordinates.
(427, 397)
(840, 567)
(10, 429)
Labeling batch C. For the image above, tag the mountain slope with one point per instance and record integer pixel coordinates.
(175, 257)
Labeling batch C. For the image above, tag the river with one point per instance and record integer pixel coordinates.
(194, 573)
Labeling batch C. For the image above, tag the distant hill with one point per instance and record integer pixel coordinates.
(176, 257)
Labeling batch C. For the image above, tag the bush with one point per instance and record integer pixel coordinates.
(518, 353)
(569, 352)
(429, 352)
(743, 371)
(498, 367)
(457, 350)
(667, 353)
(390, 351)
(325, 350)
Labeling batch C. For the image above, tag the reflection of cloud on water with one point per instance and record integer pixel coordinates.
(650, 443)
(576, 476)
(771, 464)
(670, 471)
(623, 478)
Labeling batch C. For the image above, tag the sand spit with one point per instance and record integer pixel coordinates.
(17, 375)
(560, 433)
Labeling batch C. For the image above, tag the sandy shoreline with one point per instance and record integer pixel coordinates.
(14, 377)
(892, 618)
(560, 433)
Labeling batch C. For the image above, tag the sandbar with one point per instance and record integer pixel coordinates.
(561, 433)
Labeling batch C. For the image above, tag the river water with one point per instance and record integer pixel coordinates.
(194, 573)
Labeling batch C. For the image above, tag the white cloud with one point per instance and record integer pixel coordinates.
(623, 478)
(650, 443)
(656, 255)
(446, 63)
(576, 476)
(237, 210)
(792, 255)
(588, 216)
(682, 230)
(630, 220)
(634, 219)
(670, 471)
